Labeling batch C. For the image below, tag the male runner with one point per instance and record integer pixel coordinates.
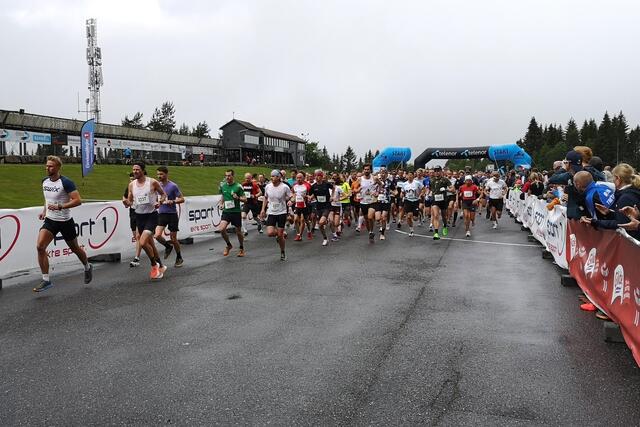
(143, 194)
(346, 200)
(321, 192)
(335, 215)
(368, 198)
(495, 189)
(411, 191)
(60, 196)
(168, 215)
(232, 194)
(383, 207)
(252, 193)
(135, 262)
(439, 187)
(276, 197)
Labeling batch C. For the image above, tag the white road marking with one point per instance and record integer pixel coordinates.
(473, 241)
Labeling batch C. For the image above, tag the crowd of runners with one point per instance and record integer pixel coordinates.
(310, 206)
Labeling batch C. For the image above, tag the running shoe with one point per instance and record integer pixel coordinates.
(43, 286)
(283, 257)
(325, 242)
(226, 251)
(387, 227)
(334, 238)
(135, 262)
(357, 229)
(309, 236)
(380, 229)
(260, 230)
(436, 236)
(445, 231)
(371, 236)
(297, 238)
(241, 253)
(453, 224)
(153, 274)
(245, 231)
(399, 225)
(588, 307)
(411, 233)
(382, 237)
(179, 262)
(430, 228)
(167, 250)
(468, 234)
(495, 225)
(88, 275)
(161, 271)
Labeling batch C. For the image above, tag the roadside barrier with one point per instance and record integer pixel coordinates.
(602, 262)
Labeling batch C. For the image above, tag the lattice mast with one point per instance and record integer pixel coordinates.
(94, 59)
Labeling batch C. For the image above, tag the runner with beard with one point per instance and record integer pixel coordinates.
(300, 191)
(252, 192)
(168, 215)
(232, 194)
(321, 192)
(276, 201)
(384, 188)
(468, 194)
(439, 186)
(495, 189)
(368, 197)
(411, 190)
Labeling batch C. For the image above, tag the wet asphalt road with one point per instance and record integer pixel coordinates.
(403, 332)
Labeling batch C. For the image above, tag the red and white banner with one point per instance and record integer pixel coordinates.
(605, 265)
(101, 228)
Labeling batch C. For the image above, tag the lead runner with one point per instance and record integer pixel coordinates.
(60, 195)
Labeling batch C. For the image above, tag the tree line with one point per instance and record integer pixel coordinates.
(611, 140)
(164, 120)
(345, 162)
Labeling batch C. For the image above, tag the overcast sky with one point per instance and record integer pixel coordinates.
(369, 74)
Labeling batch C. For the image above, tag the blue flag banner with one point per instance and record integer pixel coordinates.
(86, 145)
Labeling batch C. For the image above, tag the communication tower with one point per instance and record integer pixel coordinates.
(94, 59)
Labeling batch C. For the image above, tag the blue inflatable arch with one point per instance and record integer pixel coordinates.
(391, 155)
(497, 153)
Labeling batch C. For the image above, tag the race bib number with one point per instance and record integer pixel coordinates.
(467, 193)
(358, 196)
(382, 198)
(367, 199)
(247, 194)
(299, 198)
(322, 199)
(142, 199)
(229, 204)
(438, 197)
(276, 206)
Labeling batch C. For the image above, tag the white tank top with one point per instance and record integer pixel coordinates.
(144, 199)
(366, 190)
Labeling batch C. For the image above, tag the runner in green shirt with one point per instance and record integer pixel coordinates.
(232, 194)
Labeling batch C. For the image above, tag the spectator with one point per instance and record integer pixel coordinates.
(572, 165)
(534, 185)
(127, 155)
(607, 173)
(595, 193)
(587, 156)
(201, 158)
(627, 197)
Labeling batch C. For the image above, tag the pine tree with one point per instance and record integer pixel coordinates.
(184, 130)
(201, 130)
(134, 122)
(163, 118)
(532, 141)
(634, 146)
(589, 134)
(349, 159)
(605, 146)
(621, 131)
(572, 135)
(360, 163)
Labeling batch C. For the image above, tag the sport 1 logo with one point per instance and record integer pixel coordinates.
(8, 234)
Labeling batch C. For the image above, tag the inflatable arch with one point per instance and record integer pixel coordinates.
(391, 155)
(511, 152)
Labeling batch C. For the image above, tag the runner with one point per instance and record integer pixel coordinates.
(276, 198)
(346, 200)
(60, 196)
(469, 193)
(168, 215)
(383, 207)
(355, 200)
(301, 190)
(144, 193)
(232, 194)
(252, 192)
(368, 197)
(336, 208)
(321, 192)
(439, 186)
(132, 224)
(495, 189)
(427, 200)
(411, 191)
(400, 181)
(262, 184)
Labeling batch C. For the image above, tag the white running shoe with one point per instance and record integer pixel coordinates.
(495, 225)
(468, 234)
(382, 237)
(325, 242)
(411, 233)
(387, 227)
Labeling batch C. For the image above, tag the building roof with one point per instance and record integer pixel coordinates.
(266, 132)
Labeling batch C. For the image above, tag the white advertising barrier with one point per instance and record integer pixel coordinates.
(101, 227)
(548, 227)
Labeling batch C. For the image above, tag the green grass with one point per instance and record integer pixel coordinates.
(21, 184)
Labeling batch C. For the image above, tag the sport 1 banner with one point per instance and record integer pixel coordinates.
(86, 146)
(605, 265)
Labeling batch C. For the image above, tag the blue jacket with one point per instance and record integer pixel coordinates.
(628, 197)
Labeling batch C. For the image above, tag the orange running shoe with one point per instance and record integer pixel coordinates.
(154, 272)
(588, 307)
(226, 251)
(241, 253)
